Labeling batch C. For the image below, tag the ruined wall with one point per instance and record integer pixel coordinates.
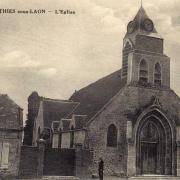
(11, 156)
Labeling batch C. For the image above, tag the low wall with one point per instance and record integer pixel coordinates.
(29, 161)
(59, 162)
(83, 162)
(38, 161)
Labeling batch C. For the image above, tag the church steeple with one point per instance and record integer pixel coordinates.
(143, 59)
(141, 24)
(140, 19)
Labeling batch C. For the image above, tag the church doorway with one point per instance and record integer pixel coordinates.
(149, 158)
(150, 147)
(154, 147)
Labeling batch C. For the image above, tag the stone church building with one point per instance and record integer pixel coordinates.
(130, 118)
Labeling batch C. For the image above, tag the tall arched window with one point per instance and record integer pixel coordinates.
(157, 74)
(112, 136)
(143, 72)
(126, 51)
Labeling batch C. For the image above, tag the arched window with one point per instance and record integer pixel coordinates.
(143, 72)
(112, 136)
(157, 74)
(72, 137)
(149, 133)
(127, 49)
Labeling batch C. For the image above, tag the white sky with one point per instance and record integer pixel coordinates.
(56, 54)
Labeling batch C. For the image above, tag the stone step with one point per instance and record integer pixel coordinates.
(60, 178)
(154, 177)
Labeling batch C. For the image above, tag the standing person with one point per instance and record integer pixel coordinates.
(101, 168)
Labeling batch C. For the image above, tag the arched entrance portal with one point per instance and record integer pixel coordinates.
(154, 145)
(152, 148)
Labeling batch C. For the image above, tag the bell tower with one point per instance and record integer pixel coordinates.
(144, 61)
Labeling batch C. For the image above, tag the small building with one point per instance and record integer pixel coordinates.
(56, 123)
(11, 128)
(49, 113)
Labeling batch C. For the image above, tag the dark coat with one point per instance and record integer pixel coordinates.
(100, 169)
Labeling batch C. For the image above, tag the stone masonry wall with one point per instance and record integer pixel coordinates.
(59, 162)
(114, 157)
(83, 162)
(150, 44)
(134, 61)
(29, 161)
(125, 106)
(13, 156)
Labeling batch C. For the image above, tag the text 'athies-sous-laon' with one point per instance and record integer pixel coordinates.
(37, 11)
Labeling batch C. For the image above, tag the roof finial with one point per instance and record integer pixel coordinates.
(140, 15)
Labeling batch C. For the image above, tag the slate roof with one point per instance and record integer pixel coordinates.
(139, 19)
(93, 97)
(139, 26)
(6, 101)
(9, 113)
(54, 110)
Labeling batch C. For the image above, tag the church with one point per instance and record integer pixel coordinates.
(130, 118)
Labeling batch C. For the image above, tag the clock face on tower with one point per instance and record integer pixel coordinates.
(130, 27)
(148, 25)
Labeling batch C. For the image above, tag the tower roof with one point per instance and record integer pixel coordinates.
(141, 24)
(139, 19)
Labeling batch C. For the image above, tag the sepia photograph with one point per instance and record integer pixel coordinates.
(90, 90)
